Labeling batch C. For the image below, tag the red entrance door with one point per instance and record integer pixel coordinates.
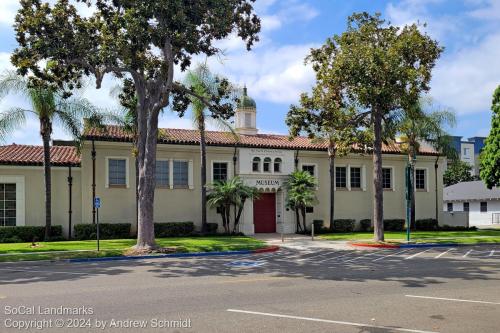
(264, 213)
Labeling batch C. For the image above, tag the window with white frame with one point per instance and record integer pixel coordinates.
(420, 181)
(311, 168)
(466, 206)
(162, 173)
(483, 206)
(256, 164)
(449, 206)
(267, 164)
(181, 174)
(219, 171)
(341, 177)
(355, 177)
(117, 172)
(387, 178)
(277, 164)
(8, 209)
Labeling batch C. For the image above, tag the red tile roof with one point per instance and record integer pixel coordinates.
(33, 155)
(214, 138)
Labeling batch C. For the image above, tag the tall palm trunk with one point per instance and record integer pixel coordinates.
(203, 173)
(238, 215)
(436, 165)
(331, 162)
(297, 220)
(303, 212)
(378, 204)
(45, 132)
(411, 159)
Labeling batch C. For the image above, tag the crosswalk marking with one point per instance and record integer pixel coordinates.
(390, 255)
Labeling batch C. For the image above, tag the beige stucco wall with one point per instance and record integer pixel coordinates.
(174, 205)
(34, 203)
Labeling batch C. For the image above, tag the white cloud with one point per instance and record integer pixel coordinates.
(466, 80)
(8, 9)
(490, 10)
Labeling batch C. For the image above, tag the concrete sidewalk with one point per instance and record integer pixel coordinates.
(302, 242)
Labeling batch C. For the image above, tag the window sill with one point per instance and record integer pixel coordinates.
(341, 188)
(117, 186)
(388, 189)
(421, 190)
(356, 189)
(181, 187)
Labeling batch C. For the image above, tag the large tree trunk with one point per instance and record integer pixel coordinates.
(147, 141)
(378, 200)
(136, 161)
(331, 161)
(45, 132)
(203, 171)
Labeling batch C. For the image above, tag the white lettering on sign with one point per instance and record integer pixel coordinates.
(267, 182)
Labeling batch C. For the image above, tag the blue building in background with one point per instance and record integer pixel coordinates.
(469, 150)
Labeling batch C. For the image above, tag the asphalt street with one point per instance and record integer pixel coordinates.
(389, 290)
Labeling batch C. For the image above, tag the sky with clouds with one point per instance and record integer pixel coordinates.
(275, 74)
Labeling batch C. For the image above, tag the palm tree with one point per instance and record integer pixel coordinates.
(419, 125)
(49, 106)
(230, 193)
(209, 86)
(301, 193)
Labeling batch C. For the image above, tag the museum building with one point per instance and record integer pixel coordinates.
(105, 168)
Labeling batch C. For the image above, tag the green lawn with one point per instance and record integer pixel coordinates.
(463, 237)
(116, 247)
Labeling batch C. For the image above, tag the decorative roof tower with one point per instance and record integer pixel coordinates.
(246, 115)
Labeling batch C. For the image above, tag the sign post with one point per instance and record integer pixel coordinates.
(97, 205)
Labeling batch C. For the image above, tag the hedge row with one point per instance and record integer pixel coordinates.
(173, 229)
(21, 234)
(106, 231)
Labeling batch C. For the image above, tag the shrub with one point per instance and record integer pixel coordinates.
(27, 233)
(426, 224)
(174, 229)
(343, 225)
(394, 225)
(365, 225)
(212, 228)
(456, 228)
(106, 231)
(319, 227)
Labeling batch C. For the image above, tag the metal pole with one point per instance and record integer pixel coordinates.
(312, 231)
(93, 182)
(97, 229)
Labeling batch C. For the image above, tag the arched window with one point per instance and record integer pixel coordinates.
(267, 164)
(277, 164)
(256, 164)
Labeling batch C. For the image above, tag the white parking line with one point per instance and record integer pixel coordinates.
(442, 254)
(468, 252)
(453, 299)
(311, 257)
(347, 323)
(38, 271)
(363, 256)
(416, 254)
(492, 253)
(390, 255)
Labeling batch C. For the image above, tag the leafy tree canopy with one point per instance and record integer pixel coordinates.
(490, 156)
(458, 171)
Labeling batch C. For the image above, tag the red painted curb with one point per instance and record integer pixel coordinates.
(273, 248)
(382, 246)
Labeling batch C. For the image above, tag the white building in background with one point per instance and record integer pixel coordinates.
(482, 204)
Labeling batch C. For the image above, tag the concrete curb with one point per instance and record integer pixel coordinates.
(420, 245)
(177, 255)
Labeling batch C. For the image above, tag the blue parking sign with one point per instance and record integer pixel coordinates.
(97, 202)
